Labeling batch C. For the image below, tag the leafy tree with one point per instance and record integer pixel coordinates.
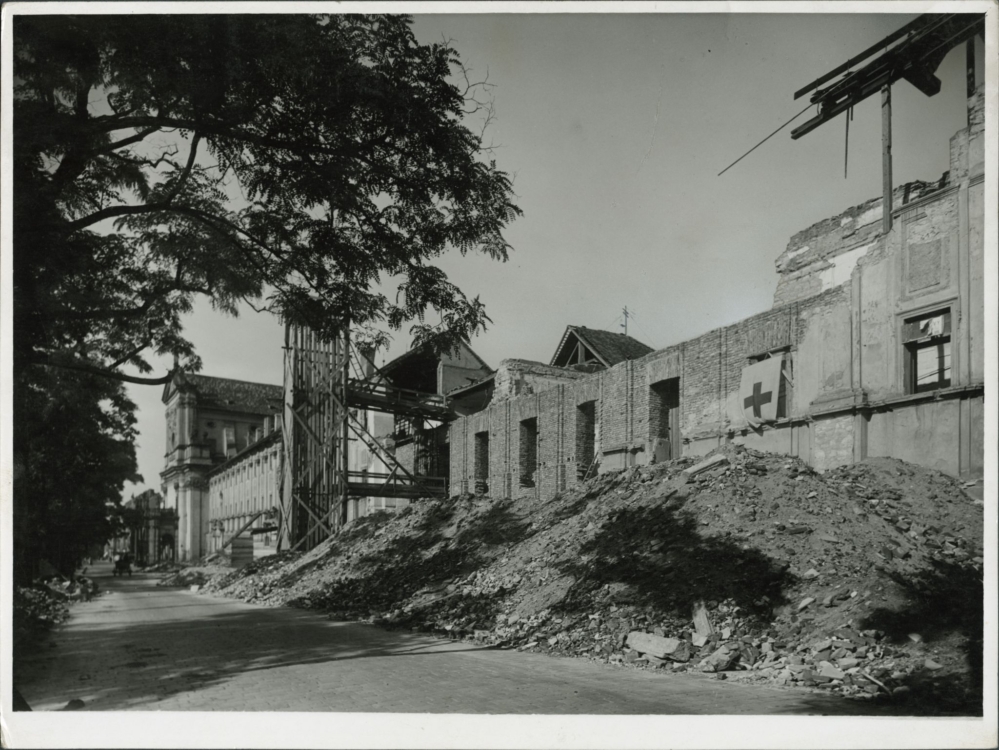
(290, 161)
(74, 450)
(302, 164)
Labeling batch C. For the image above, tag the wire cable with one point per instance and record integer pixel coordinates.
(766, 139)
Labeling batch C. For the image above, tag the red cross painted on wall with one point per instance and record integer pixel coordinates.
(757, 399)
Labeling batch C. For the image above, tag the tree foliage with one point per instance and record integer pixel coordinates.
(290, 161)
(74, 450)
(314, 166)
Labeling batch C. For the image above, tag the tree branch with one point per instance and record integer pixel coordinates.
(80, 366)
(141, 135)
(187, 170)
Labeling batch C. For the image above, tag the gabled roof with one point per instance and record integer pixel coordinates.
(229, 395)
(609, 348)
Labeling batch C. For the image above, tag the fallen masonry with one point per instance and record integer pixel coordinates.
(864, 581)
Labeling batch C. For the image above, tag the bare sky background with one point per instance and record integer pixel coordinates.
(615, 128)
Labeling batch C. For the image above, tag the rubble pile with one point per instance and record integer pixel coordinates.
(190, 575)
(865, 580)
(37, 609)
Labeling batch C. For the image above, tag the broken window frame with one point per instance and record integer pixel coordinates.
(916, 340)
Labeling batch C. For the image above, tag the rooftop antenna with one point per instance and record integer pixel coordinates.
(624, 325)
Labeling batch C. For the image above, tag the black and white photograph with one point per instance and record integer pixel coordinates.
(523, 374)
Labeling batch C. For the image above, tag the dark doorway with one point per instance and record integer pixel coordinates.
(528, 451)
(482, 463)
(586, 438)
(664, 419)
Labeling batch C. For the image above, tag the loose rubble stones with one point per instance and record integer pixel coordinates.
(745, 561)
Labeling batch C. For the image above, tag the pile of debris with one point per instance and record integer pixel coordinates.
(37, 609)
(865, 580)
(179, 574)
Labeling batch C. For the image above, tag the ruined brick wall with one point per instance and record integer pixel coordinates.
(844, 293)
(824, 255)
(520, 377)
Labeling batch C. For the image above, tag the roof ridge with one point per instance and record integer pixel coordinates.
(231, 380)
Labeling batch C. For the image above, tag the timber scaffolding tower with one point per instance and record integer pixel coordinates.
(329, 386)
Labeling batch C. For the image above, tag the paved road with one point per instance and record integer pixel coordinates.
(144, 647)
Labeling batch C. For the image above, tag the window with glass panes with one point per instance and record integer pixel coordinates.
(926, 338)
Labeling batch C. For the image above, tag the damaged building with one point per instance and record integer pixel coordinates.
(874, 347)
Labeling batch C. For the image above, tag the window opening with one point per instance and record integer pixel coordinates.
(664, 419)
(586, 437)
(481, 463)
(528, 451)
(927, 361)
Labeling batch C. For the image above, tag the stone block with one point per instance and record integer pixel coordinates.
(722, 659)
(658, 646)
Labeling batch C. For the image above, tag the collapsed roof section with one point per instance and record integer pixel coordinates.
(912, 53)
(422, 369)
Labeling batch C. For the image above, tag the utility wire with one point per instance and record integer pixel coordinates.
(766, 139)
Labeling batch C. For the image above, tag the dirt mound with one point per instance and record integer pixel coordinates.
(865, 580)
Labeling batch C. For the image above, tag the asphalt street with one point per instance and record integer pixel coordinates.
(139, 646)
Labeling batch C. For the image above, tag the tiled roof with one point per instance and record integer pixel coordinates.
(612, 348)
(236, 395)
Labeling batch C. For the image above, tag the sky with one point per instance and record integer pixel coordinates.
(614, 128)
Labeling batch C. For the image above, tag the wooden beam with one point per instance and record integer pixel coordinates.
(862, 56)
(242, 528)
(886, 203)
(969, 63)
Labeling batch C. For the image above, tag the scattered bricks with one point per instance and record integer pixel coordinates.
(810, 573)
(847, 663)
(702, 623)
(657, 646)
(748, 654)
(832, 672)
(698, 640)
(710, 463)
(722, 659)
(805, 603)
(682, 653)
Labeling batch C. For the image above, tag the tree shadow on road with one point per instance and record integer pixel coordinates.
(943, 601)
(138, 664)
(660, 556)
